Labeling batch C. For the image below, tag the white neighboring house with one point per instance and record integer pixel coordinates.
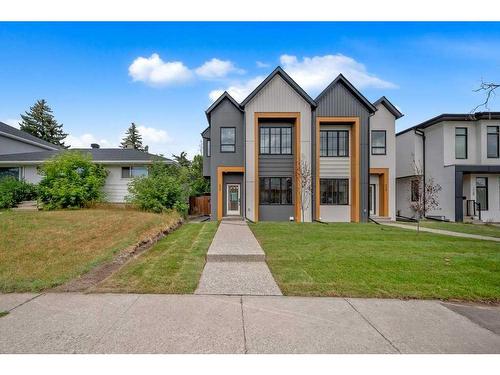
(21, 154)
(461, 152)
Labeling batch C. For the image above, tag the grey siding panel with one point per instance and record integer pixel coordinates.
(276, 165)
(339, 101)
(206, 159)
(275, 212)
(13, 146)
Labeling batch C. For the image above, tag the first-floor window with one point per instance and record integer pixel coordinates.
(334, 191)
(131, 172)
(10, 172)
(482, 192)
(275, 190)
(415, 190)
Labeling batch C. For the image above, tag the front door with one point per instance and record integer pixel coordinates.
(233, 200)
(373, 199)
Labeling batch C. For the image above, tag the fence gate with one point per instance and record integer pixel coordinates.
(199, 205)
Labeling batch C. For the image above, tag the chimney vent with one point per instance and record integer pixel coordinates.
(95, 145)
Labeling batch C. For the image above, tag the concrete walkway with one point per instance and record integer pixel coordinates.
(236, 264)
(441, 231)
(131, 323)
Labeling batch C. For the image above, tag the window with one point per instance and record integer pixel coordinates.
(460, 143)
(10, 172)
(275, 190)
(209, 145)
(379, 142)
(334, 143)
(227, 139)
(482, 192)
(492, 141)
(334, 191)
(276, 140)
(131, 172)
(415, 190)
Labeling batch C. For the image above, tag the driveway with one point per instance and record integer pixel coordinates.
(128, 323)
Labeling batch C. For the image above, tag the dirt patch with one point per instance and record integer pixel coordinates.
(99, 273)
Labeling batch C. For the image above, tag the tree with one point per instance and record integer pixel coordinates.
(182, 159)
(40, 122)
(303, 176)
(133, 139)
(199, 184)
(427, 197)
(488, 88)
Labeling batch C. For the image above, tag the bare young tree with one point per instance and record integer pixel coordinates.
(488, 88)
(303, 176)
(427, 194)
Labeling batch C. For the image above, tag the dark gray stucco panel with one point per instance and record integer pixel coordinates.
(275, 212)
(340, 102)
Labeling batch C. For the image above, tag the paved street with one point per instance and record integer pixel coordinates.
(128, 323)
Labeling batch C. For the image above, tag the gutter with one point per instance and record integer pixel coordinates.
(422, 134)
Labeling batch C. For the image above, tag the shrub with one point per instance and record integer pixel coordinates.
(13, 191)
(164, 189)
(71, 180)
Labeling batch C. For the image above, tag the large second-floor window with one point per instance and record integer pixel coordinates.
(334, 143)
(379, 142)
(334, 191)
(276, 140)
(492, 141)
(460, 143)
(227, 139)
(275, 190)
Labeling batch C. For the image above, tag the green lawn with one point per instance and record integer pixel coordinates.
(480, 229)
(368, 260)
(173, 265)
(40, 250)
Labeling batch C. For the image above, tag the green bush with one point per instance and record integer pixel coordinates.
(71, 180)
(13, 191)
(164, 189)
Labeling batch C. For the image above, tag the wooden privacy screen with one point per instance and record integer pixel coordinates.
(199, 205)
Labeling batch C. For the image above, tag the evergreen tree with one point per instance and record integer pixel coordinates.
(133, 139)
(40, 122)
(182, 159)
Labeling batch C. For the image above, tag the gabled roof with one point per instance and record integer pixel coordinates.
(454, 117)
(112, 155)
(279, 71)
(348, 85)
(11, 132)
(205, 133)
(390, 107)
(225, 95)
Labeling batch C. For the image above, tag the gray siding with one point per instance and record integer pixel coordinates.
(339, 101)
(224, 115)
(206, 159)
(13, 146)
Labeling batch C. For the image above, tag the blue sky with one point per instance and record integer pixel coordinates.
(99, 77)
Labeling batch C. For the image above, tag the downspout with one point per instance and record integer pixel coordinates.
(422, 134)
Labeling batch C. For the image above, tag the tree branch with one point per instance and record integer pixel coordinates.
(489, 89)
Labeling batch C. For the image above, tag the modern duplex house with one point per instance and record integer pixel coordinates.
(255, 153)
(460, 152)
(21, 154)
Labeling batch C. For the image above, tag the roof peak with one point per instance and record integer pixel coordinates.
(390, 107)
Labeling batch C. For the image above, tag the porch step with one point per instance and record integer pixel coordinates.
(382, 219)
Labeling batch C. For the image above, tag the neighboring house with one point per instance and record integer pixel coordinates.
(21, 154)
(460, 152)
(252, 152)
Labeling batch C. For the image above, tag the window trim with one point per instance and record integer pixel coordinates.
(19, 172)
(466, 135)
(337, 180)
(281, 139)
(497, 133)
(378, 147)
(486, 187)
(282, 178)
(130, 171)
(227, 144)
(337, 138)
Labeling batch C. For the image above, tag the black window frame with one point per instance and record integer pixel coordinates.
(496, 134)
(334, 181)
(227, 144)
(414, 194)
(379, 147)
(466, 135)
(286, 192)
(486, 188)
(336, 140)
(261, 128)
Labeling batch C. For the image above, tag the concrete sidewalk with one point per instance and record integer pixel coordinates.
(128, 323)
(441, 231)
(236, 264)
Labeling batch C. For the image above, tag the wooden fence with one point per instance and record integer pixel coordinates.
(199, 205)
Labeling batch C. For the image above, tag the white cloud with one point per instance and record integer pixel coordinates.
(151, 135)
(239, 90)
(315, 73)
(261, 64)
(216, 68)
(156, 72)
(14, 122)
(85, 140)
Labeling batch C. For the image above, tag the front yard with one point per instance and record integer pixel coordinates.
(490, 230)
(40, 250)
(367, 260)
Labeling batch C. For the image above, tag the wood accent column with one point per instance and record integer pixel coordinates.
(383, 189)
